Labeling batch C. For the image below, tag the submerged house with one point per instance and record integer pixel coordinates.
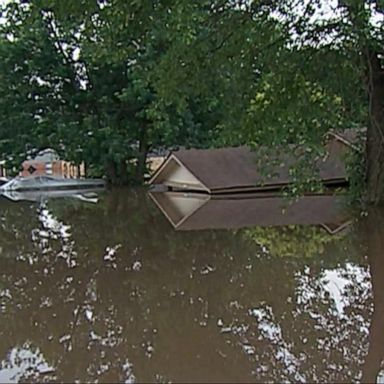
(197, 211)
(230, 170)
(48, 162)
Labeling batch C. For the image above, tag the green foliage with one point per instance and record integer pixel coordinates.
(87, 88)
(284, 80)
(108, 81)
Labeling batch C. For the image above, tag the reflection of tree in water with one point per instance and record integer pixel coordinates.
(292, 240)
(373, 232)
(15, 227)
(113, 293)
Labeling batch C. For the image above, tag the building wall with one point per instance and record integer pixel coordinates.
(3, 171)
(56, 168)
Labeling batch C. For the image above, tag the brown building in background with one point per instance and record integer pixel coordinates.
(48, 163)
(3, 171)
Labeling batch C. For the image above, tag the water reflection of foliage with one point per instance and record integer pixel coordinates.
(140, 293)
(292, 240)
(14, 227)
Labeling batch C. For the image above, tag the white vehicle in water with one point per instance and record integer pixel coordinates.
(88, 195)
(50, 183)
(3, 180)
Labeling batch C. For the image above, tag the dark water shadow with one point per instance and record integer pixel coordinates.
(373, 228)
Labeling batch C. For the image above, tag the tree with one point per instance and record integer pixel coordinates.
(99, 103)
(33, 77)
(287, 74)
(137, 75)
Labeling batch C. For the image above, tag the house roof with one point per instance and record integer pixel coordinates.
(229, 169)
(349, 137)
(196, 212)
(47, 155)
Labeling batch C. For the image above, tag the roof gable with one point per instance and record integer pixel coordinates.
(175, 174)
(238, 169)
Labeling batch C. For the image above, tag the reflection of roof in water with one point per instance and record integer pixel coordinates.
(193, 211)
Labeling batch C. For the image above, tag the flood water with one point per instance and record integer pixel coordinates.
(112, 292)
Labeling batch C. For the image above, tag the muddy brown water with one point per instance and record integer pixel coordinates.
(110, 292)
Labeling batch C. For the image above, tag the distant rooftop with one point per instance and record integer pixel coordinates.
(47, 155)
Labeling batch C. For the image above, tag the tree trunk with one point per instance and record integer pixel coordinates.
(375, 133)
(117, 172)
(142, 155)
(111, 172)
(123, 172)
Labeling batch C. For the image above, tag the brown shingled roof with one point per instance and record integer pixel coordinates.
(236, 169)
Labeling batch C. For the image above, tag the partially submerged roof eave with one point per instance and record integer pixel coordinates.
(160, 169)
(274, 187)
(183, 165)
(343, 140)
(229, 182)
(174, 157)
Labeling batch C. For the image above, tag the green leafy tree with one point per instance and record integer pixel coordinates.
(119, 78)
(285, 73)
(97, 103)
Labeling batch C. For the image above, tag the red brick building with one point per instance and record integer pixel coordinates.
(47, 162)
